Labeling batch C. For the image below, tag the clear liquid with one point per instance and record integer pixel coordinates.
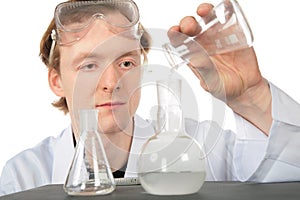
(90, 188)
(172, 183)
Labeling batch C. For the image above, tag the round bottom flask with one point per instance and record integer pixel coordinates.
(171, 162)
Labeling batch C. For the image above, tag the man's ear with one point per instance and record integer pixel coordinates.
(55, 83)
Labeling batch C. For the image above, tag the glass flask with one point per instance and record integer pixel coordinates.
(171, 162)
(90, 172)
(224, 29)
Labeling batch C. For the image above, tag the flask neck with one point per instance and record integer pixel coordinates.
(169, 112)
(172, 119)
(88, 120)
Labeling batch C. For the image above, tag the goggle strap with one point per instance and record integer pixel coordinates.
(53, 37)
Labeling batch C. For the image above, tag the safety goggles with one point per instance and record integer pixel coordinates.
(73, 19)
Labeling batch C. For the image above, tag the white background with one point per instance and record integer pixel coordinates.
(26, 112)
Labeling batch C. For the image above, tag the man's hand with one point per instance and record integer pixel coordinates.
(233, 77)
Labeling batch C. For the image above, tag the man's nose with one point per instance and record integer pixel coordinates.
(109, 80)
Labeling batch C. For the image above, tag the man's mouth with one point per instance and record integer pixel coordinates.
(110, 105)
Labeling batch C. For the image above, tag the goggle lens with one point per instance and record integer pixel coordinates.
(73, 18)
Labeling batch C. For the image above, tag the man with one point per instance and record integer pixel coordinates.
(102, 42)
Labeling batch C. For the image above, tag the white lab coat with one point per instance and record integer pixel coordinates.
(244, 155)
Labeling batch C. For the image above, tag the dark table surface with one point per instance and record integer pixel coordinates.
(209, 191)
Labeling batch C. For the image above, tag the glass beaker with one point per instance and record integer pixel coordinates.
(171, 162)
(224, 29)
(90, 172)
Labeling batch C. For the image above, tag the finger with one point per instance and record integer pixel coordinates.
(175, 36)
(173, 29)
(204, 8)
(189, 26)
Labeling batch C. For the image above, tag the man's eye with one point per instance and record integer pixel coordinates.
(126, 64)
(88, 67)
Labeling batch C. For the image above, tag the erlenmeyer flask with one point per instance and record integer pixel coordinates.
(224, 29)
(90, 172)
(171, 162)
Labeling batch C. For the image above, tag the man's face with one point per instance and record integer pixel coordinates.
(102, 71)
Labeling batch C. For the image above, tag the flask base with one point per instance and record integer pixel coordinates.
(172, 183)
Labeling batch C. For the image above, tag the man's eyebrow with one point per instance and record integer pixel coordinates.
(87, 55)
(130, 53)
